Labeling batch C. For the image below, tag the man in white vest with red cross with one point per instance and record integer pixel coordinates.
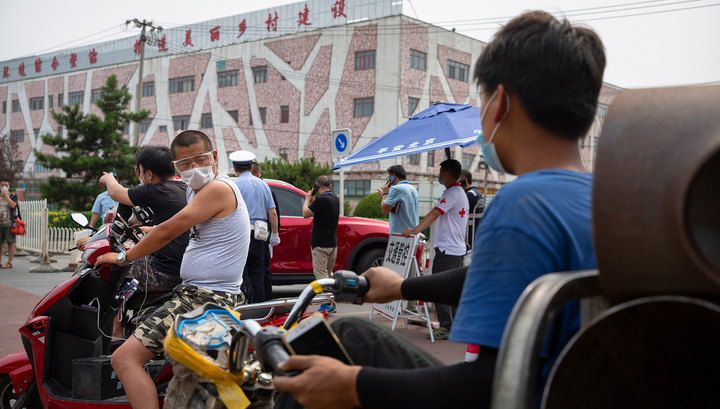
(449, 239)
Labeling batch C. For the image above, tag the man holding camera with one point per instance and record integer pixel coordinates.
(323, 241)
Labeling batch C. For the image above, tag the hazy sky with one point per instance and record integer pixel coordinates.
(648, 43)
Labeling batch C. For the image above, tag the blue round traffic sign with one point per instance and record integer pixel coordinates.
(341, 142)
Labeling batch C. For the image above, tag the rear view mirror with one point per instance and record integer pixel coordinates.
(80, 219)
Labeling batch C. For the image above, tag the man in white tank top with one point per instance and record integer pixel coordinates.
(212, 265)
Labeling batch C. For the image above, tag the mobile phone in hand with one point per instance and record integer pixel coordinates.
(313, 336)
(314, 190)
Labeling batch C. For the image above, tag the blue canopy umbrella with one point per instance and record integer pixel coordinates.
(441, 126)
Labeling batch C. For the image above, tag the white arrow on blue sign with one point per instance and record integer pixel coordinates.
(341, 140)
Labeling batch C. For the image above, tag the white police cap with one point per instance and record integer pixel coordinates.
(242, 157)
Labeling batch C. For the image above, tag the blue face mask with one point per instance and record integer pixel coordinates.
(488, 148)
(440, 180)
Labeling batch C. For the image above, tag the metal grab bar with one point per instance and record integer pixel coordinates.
(286, 303)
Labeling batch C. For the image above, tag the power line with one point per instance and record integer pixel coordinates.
(473, 25)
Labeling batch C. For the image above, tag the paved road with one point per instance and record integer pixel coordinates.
(21, 290)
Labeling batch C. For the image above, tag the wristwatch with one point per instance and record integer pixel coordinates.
(121, 259)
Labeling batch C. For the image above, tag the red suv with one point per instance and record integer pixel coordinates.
(361, 241)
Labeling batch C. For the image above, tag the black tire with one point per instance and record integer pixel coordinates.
(370, 258)
(7, 392)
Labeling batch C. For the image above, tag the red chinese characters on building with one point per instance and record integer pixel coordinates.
(137, 47)
(38, 65)
(93, 56)
(55, 63)
(338, 9)
(73, 60)
(162, 44)
(21, 69)
(188, 39)
(6, 71)
(241, 27)
(272, 22)
(304, 21)
(215, 34)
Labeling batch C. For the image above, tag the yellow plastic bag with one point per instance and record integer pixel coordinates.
(227, 383)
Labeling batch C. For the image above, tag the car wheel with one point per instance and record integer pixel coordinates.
(370, 258)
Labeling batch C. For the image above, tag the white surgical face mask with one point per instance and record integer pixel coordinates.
(4, 188)
(142, 179)
(196, 178)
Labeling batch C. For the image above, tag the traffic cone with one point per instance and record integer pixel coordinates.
(472, 352)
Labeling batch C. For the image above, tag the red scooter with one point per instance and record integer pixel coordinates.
(66, 338)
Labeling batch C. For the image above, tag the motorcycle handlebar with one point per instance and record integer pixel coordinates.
(346, 285)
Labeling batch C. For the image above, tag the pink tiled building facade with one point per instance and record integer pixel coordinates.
(277, 87)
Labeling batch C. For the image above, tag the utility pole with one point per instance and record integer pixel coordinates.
(143, 39)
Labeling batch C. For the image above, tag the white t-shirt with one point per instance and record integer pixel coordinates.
(452, 225)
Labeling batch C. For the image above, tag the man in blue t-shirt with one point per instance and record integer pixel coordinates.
(399, 200)
(539, 81)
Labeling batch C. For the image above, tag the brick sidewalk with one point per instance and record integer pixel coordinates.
(15, 307)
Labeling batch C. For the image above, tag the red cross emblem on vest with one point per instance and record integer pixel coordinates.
(462, 213)
(442, 201)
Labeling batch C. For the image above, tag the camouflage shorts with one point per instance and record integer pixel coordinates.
(186, 298)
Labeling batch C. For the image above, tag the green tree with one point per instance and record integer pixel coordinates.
(93, 145)
(302, 173)
(369, 207)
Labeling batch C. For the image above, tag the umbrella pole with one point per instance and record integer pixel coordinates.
(485, 183)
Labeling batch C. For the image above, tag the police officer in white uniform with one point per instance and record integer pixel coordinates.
(264, 222)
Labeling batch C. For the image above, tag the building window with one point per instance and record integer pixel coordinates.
(602, 110)
(19, 164)
(357, 187)
(414, 159)
(37, 132)
(467, 159)
(285, 114)
(148, 89)
(76, 98)
(94, 95)
(206, 121)
(228, 78)
(417, 60)
(145, 125)
(163, 128)
(37, 104)
(59, 131)
(181, 122)
(250, 116)
(16, 105)
(17, 136)
(283, 154)
(39, 168)
(4, 107)
(364, 107)
(431, 159)
(50, 101)
(263, 115)
(234, 115)
(61, 99)
(260, 74)
(183, 84)
(412, 105)
(458, 71)
(365, 60)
